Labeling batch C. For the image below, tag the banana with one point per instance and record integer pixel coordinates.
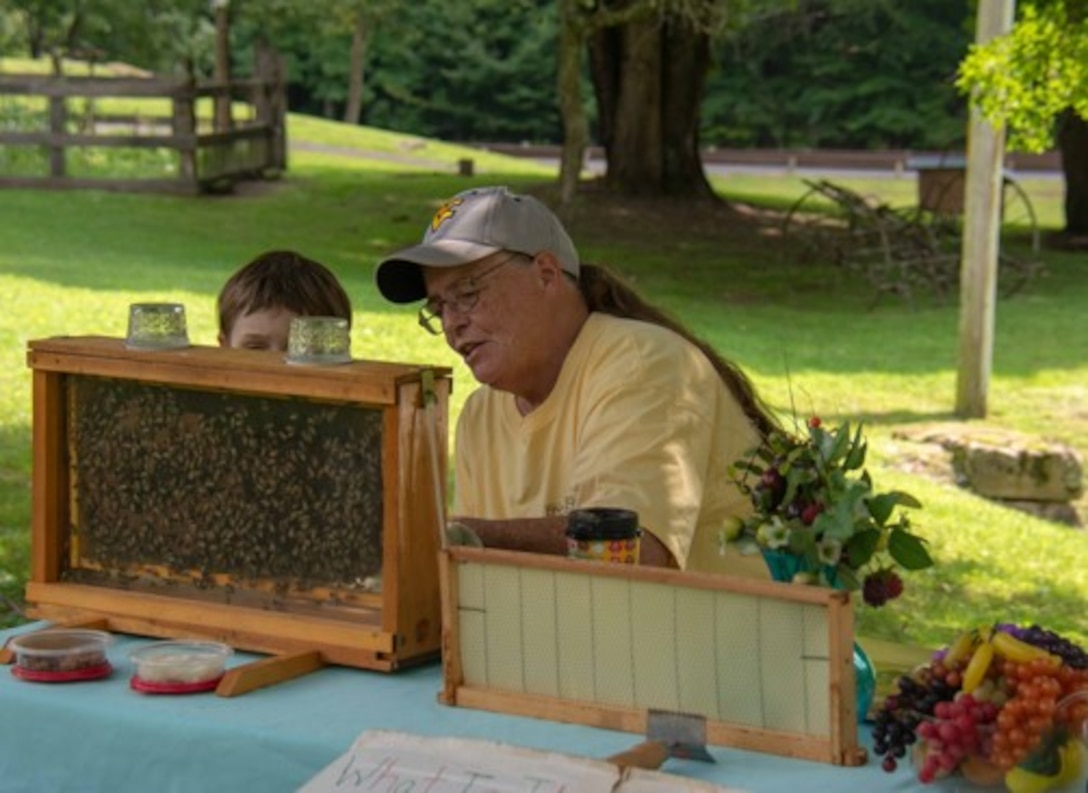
(1008, 646)
(960, 649)
(977, 666)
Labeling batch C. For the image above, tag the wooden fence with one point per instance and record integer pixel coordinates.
(196, 153)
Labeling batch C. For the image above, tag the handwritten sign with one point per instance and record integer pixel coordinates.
(382, 761)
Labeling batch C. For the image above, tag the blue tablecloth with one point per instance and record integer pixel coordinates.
(102, 736)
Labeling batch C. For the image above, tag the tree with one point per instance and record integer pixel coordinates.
(648, 62)
(1034, 80)
(474, 70)
(348, 25)
(577, 23)
(841, 74)
(157, 35)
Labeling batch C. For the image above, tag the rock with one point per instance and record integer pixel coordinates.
(1033, 472)
(1019, 471)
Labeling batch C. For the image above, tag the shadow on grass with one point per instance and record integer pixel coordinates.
(14, 522)
(948, 594)
(901, 417)
(1061, 604)
(706, 261)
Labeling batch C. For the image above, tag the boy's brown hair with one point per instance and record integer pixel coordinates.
(282, 279)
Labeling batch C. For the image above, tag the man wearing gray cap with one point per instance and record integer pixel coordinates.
(590, 397)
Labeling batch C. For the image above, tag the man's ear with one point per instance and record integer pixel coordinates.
(223, 340)
(548, 267)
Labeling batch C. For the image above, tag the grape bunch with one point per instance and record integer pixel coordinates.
(961, 729)
(1072, 655)
(917, 696)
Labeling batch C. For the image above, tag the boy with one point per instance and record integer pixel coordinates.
(257, 303)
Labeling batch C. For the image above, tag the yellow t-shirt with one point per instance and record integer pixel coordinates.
(638, 419)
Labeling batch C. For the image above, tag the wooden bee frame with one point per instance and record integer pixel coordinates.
(768, 665)
(184, 493)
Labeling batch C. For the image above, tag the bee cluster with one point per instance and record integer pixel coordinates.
(205, 484)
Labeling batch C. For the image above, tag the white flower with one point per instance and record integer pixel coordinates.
(773, 534)
(829, 551)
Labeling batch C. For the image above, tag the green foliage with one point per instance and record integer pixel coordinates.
(472, 70)
(1027, 78)
(840, 73)
(156, 34)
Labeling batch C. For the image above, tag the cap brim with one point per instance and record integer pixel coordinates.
(400, 279)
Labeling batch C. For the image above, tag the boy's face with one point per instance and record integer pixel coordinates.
(260, 330)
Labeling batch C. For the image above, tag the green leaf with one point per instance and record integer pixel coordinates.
(1046, 759)
(793, 480)
(846, 578)
(882, 505)
(908, 550)
(861, 547)
(906, 499)
(855, 458)
(803, 543)
(745, 466)
(837, 524)
(842, 442)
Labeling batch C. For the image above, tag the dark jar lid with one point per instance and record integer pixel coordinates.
(603, 523)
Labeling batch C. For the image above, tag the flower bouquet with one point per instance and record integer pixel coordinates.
(999, 707)
(817, 517)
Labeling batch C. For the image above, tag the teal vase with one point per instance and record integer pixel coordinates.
(783, 567)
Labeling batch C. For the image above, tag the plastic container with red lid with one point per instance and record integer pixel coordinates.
(61, 655)
(179, 667)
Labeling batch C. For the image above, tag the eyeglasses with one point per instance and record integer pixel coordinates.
(462, 297)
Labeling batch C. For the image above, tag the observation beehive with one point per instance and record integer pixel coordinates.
(225, 494)
(767, 665)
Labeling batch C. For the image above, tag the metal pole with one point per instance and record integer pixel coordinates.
(981, 227)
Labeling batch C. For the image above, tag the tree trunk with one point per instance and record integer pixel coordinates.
(687, 60)
(575, 125)
(1073, 142)
(356, 70)
(648, 78)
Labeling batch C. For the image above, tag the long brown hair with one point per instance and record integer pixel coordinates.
(605, 292)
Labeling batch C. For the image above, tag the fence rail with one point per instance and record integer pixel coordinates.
(790, 159)
(203, 155)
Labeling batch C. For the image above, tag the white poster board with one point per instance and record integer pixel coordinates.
(381, 760)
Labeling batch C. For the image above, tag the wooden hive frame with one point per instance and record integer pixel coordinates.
(768, 665)
(381, 628)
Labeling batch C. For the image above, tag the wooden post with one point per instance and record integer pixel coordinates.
(58, 118)
(184, 124)
(982, 223)
(222, 64)
(262, 74)
(273, 74)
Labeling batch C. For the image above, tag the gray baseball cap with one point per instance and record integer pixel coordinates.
(473, 224)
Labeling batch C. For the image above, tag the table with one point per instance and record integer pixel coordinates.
(102, 736)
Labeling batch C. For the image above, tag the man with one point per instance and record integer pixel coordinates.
(589, 397)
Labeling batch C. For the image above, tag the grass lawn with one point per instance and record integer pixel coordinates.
(70, 263)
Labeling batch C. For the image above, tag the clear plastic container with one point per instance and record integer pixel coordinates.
(58, 655)
(179, 667)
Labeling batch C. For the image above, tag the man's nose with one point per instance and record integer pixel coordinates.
(453, 320)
